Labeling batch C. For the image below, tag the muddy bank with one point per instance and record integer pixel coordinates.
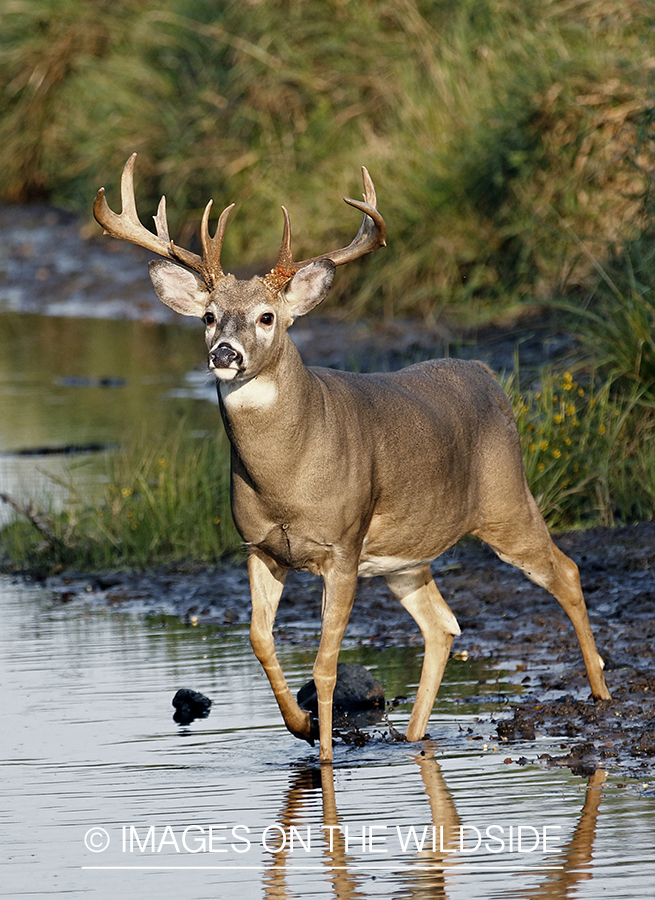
(503, 616)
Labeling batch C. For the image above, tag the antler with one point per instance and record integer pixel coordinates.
(127, 227)
(371, 235)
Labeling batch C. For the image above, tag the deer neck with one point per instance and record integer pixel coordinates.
(268, 416)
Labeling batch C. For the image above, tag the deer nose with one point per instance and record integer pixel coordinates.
(224, 355)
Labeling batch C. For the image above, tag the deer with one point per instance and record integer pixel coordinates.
(349, 475)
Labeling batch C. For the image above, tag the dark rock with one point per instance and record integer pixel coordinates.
(190, 705)
(355, 689)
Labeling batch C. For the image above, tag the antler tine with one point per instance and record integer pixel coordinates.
(285, 259)
(161, 221)
(127, 226)
(212, 246)
(285, 268)
(372, 232)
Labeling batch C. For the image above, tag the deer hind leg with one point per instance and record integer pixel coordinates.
(527, 545)
(266, 584)
(420, 596)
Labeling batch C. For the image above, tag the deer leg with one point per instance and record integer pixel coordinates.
(266, 584)
(420, 596)
(531, 549)
(338, 598)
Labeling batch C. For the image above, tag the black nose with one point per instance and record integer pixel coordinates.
(224, 355)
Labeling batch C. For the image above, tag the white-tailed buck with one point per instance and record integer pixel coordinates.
(347, 474)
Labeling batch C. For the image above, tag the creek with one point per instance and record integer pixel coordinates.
(103, 794)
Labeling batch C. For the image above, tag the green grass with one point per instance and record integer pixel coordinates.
(163, 503)
(589, 450)
(616, 324)
(503, 137)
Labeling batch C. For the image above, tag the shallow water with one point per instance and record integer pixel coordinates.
(90, 381)
(233, 804)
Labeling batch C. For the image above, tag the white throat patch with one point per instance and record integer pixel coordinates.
(256, 393)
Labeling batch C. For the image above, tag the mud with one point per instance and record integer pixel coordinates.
(504, 618)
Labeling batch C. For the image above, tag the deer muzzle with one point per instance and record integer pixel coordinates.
(224, 356)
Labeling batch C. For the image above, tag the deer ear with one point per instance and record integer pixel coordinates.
(309, 286)
(178, 288)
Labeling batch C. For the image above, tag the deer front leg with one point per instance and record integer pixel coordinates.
(421, 598)
(338, 598)
(266, 584)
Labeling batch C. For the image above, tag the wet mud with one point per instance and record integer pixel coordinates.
(504, 618)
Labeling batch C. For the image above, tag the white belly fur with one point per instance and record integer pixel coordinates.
(385, 565)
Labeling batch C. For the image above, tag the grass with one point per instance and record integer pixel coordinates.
(589, 450)
(165, 503)
(616, 324)
(500, 135)
(589, 453)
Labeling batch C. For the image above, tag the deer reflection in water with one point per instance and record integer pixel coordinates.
(427, 874)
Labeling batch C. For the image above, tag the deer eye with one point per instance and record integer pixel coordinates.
(209, 319)
(266, 318)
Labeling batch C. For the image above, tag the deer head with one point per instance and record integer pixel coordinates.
(245, 320)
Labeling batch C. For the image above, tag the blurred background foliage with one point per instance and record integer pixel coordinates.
(512, 142)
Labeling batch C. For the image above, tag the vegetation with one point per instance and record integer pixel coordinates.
(589, 451)
(164, 503)
(510, 142)
(617, 323)
(513, 148)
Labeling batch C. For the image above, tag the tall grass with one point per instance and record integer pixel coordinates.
(589, 450)
(165, 502)
(494, 130)
(589, 455)
(616, 324)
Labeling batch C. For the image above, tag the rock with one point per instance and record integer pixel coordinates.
(355, 689)
(190, 705)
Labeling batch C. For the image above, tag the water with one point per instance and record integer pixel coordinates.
(90, 381)
(234, 805)
(88, 740)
